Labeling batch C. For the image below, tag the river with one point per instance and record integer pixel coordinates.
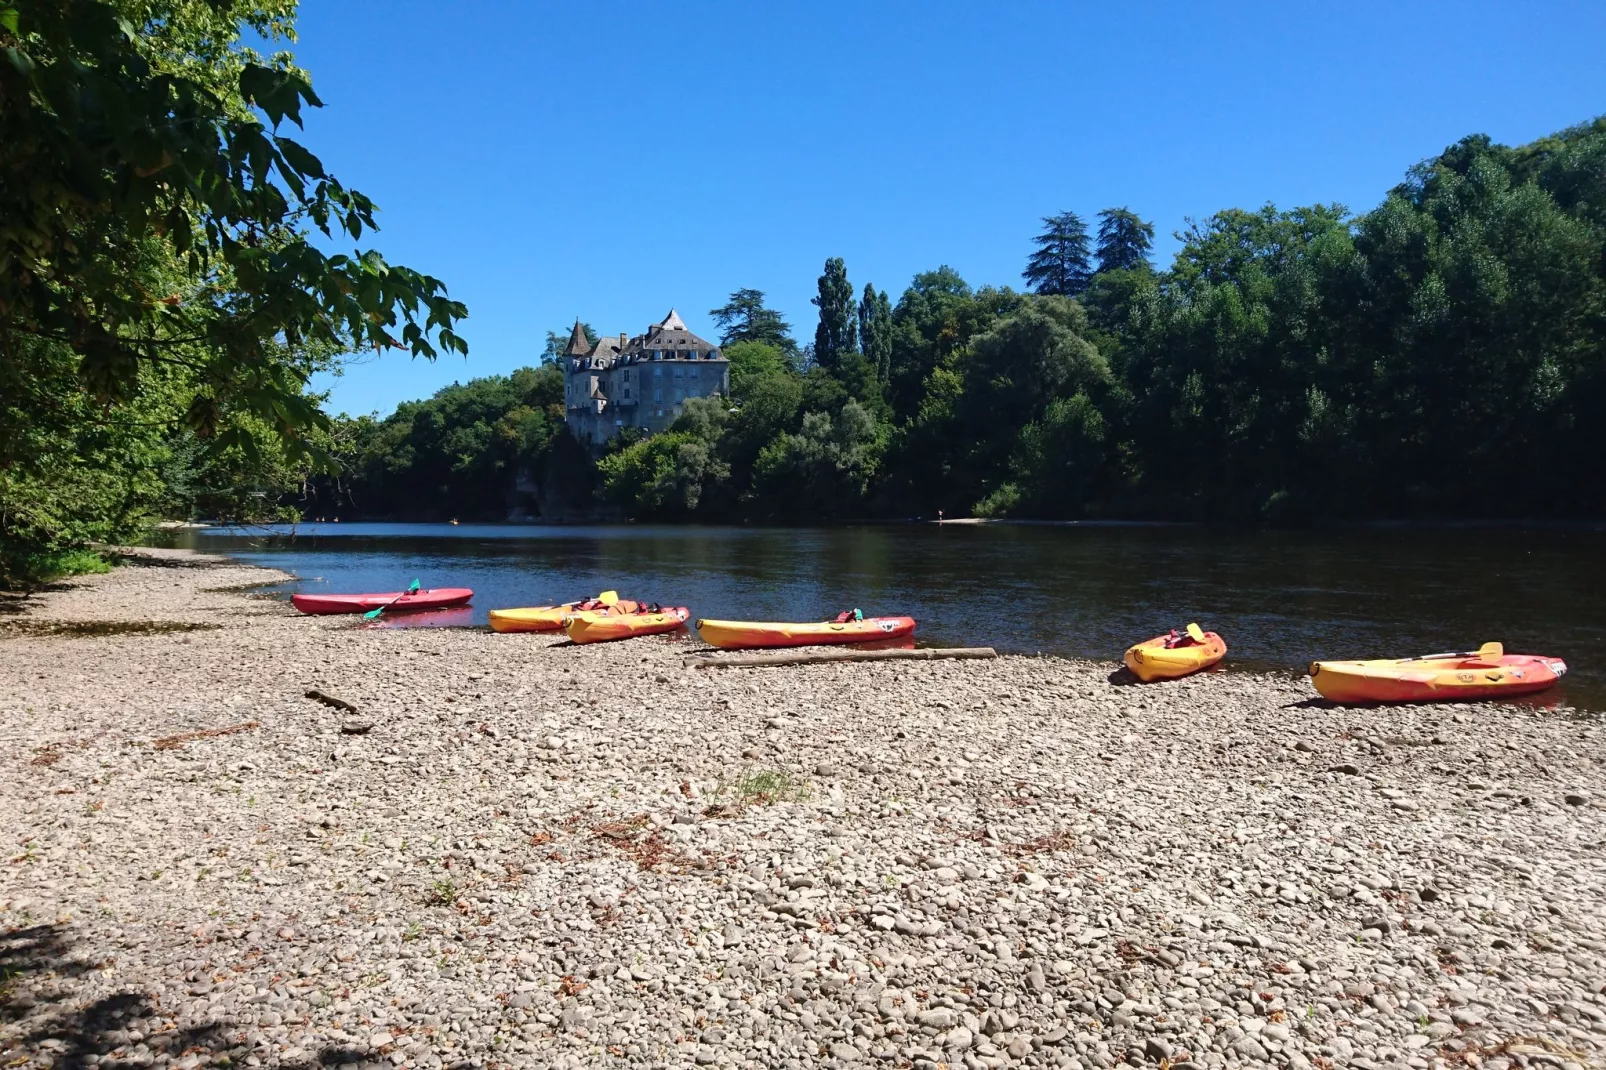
(1279, 597)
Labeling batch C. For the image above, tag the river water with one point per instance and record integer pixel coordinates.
(1279, 597)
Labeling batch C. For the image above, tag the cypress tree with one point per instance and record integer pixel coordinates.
(835, 333)
(875, 330)
(1061, 265)
(1124, 240)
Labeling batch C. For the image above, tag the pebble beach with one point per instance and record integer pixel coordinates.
(478, 850)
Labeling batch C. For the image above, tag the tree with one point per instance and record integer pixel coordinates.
(835, 334)
(1061, 264)
(744, 318)
(751, 361)
(875, 331)
(157, 126)
(558, 341)
(1124, 240)
(825, 468)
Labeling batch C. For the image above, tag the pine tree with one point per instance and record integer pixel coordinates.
(875, 330)
(745, 319)
(836, 333)
(1061, 264)
(1124, 240)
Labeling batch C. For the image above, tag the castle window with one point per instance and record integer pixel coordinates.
(657, 373)
(694, 371)
(658, 394)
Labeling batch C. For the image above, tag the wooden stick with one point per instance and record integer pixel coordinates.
(824, 656)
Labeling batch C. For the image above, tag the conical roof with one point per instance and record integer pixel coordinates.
(672, 322)
(579, 345)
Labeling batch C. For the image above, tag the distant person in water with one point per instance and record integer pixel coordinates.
(939, 516)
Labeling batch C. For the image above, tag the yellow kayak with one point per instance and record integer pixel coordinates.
(601, 627)
(1156, 659)
(547, 618)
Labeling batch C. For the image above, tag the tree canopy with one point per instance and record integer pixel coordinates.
(745, 318)
(170, 276)
(1061, 264)
(1124, 241)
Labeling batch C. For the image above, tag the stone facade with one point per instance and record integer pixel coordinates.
(637, 382)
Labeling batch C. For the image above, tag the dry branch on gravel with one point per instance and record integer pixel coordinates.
(174, 742)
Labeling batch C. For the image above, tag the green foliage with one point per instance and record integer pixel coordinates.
(823, 470)
(875, 331)
(836, 333)
(751, 362)
(458, 454)
(165, 293)
(1061, 265)
(744, 318)
(121, 130)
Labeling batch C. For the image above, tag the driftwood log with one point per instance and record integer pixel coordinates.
(330, 700)
(818, 657)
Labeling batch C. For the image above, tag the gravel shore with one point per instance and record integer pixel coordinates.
(519, 853)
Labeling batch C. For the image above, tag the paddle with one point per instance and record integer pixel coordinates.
(1486, 652)
(1196, 633)
(373, 613)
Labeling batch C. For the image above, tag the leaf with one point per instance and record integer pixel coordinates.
(299, 158)
(8, 19)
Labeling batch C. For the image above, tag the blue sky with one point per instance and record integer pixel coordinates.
(610, 161)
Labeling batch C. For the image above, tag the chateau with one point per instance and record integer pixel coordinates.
(637, 382)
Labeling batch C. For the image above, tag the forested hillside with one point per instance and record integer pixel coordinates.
(1441, 356)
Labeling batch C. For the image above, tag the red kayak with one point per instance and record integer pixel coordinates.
(417, 602)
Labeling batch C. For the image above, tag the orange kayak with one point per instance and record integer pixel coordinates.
(1489, 673)
(601, 627)
(554, 618)
(736, 634)
(1153, 660)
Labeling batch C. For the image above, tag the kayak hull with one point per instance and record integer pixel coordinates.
(531, 618)
(743, 634)
(1435, 680)
(392, 601)
(1153, 660)
(599, 627)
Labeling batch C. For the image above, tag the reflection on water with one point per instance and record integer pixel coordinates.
(1280, 598)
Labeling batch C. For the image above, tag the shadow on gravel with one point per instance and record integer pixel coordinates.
(13, 603)
(79, 629)
(1123, 677)
(42, 1025)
